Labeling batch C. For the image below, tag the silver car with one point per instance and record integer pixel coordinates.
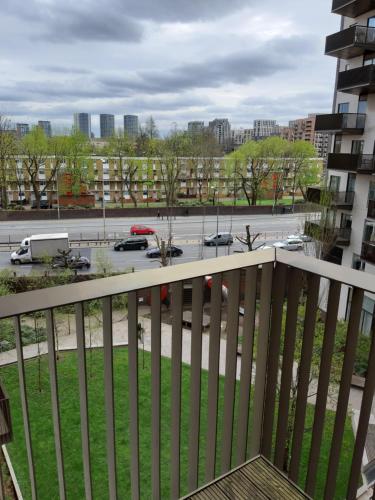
(289, 244)
(218, 239)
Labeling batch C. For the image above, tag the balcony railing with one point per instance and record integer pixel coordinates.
(252, 413)
(362, 164)
(351, 42)
(5, 418)
(357, 81)
(325, 197)
(332, 236)
(352, 8)
(343, 123)
(371, 209)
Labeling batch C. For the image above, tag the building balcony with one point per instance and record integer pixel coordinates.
(341, 123)
(332, 236)
(125, 418)
(352, 8)
(334, 199)
(362, 164)
(351, 42)
(371, 209)
(357, 81)
(368, 251)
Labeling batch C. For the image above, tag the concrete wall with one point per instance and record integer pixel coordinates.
(9, 215)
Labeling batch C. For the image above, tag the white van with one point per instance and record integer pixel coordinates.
(38, 246)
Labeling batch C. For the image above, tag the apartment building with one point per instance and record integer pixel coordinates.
(107, 125)
(220, 128)
(265, 128)
(82, 122)
(22, 129)
(304, 129)
(240, 136)
(195, 127)
(131, 125)
(45, 125)
(351, 162)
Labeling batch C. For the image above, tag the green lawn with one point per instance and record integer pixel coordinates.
(42, 432)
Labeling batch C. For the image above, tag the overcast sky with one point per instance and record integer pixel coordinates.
(178, 60)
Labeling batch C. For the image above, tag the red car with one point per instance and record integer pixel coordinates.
(141, 230)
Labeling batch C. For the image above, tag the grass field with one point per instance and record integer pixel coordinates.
(42, 431)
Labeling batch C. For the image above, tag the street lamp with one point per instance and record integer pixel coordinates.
(217, 218)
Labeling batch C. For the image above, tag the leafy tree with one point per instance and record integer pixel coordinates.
(253, 163)
(76, 162)
(305, 170)
(175, 147)
(8, 148)
(35, 148)
(122, 146)
(151, 130)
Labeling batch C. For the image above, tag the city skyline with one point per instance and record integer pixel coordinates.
(269, 66)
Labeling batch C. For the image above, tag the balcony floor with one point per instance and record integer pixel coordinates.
(256, 479)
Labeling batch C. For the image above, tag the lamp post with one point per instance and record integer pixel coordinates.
(217, 219)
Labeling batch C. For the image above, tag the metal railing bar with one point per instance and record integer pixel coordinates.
(246, 362)
(324, 269)
(364, 418)
(109, 396)
(213, 375)
(177, 302)
(344, 391)
(195, 382)
(294, 291)
(25, 406)
(82, 376)
(323, 384)
(304, 373)
(230, 368)
(278, 295)
(156, 392)
(133, 392)
(261, 364)
(70, 294)
(55, 402)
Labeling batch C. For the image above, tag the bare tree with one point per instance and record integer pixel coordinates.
(249, 240)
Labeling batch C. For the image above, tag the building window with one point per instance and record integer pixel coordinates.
(367, 315)
(350, 185)
(362, 104)
(357, 263)
(357, 147)
(334, 183)
(371, 191)
(337, 143)
(343, 107)
(369, 59)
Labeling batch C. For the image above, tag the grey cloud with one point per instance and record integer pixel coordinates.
(116, 20)
(51, 68)
(240, 67)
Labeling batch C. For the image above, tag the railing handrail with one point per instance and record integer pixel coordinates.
(62, 295)
(47, 298)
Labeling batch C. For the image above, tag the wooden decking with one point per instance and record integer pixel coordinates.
(257, 479)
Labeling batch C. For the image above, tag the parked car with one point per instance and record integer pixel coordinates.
(72, 262)
(304, 237)
(173, 251)
(42, 204)
(131, 244)
(289, 244)
(141, 230)
(218, 239)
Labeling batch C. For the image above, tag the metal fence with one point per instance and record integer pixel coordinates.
(255, 410)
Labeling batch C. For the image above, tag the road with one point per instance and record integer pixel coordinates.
(187, 233)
